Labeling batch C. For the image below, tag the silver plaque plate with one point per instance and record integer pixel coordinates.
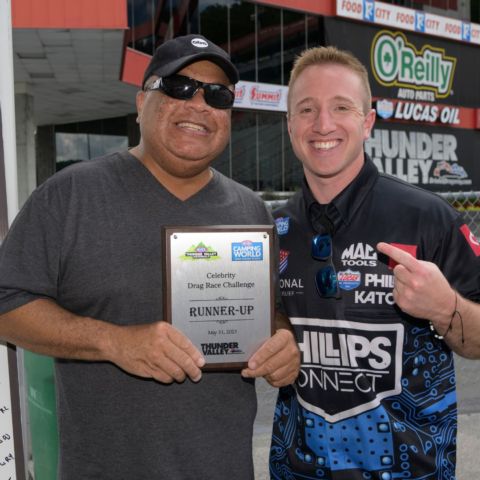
(218, 284)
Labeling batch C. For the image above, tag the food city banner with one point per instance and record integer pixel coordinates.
(395, 16)
(426, 94)
(11, 451)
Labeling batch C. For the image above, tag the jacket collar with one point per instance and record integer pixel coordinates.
(342, 209)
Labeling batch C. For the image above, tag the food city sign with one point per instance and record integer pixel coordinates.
(394, 16)
(396, 62)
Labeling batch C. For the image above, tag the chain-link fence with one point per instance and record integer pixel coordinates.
(466, 202)
(469, 204)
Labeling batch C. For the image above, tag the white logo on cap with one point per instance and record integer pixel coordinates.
(199, 42)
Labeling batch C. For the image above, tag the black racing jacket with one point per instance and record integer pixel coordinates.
(375, 397)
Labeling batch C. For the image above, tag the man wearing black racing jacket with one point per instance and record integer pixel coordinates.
(375, 397)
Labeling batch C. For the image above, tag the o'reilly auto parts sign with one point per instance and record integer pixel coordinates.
(397, 63)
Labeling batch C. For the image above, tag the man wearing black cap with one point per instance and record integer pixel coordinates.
(80, 280)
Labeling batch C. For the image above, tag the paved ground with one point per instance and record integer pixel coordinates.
(468, 381)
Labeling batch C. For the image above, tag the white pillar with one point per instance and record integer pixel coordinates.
(9, 424)
(25, 134)
(8, 109)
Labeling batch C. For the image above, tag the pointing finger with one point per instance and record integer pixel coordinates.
(399, 256)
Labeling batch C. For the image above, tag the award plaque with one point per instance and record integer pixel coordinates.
(218, 289)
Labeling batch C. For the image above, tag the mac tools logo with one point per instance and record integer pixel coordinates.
(397, 63)
(347, 367)
(359, 255)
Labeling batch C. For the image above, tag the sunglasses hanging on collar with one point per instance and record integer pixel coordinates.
(326, 280)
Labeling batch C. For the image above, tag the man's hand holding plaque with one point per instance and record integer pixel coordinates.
(277, 360)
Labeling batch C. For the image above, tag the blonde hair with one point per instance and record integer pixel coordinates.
(330, 56)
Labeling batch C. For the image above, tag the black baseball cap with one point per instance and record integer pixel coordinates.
(177, 53)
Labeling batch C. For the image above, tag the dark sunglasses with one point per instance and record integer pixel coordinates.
(326, 278)
(184, 88)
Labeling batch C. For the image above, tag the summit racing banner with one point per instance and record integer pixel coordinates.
(261, 96)
(436, 158)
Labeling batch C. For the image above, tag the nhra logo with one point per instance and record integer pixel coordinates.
(282, 224)
(223, 348)
(359, 255)
(347, 367)
(247, 251)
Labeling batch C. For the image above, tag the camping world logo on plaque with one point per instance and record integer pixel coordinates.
(247, 251)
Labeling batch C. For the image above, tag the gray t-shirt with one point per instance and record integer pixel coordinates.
(90, 239)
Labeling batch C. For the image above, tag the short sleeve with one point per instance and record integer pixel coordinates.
(458, 256)
(30, 253)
